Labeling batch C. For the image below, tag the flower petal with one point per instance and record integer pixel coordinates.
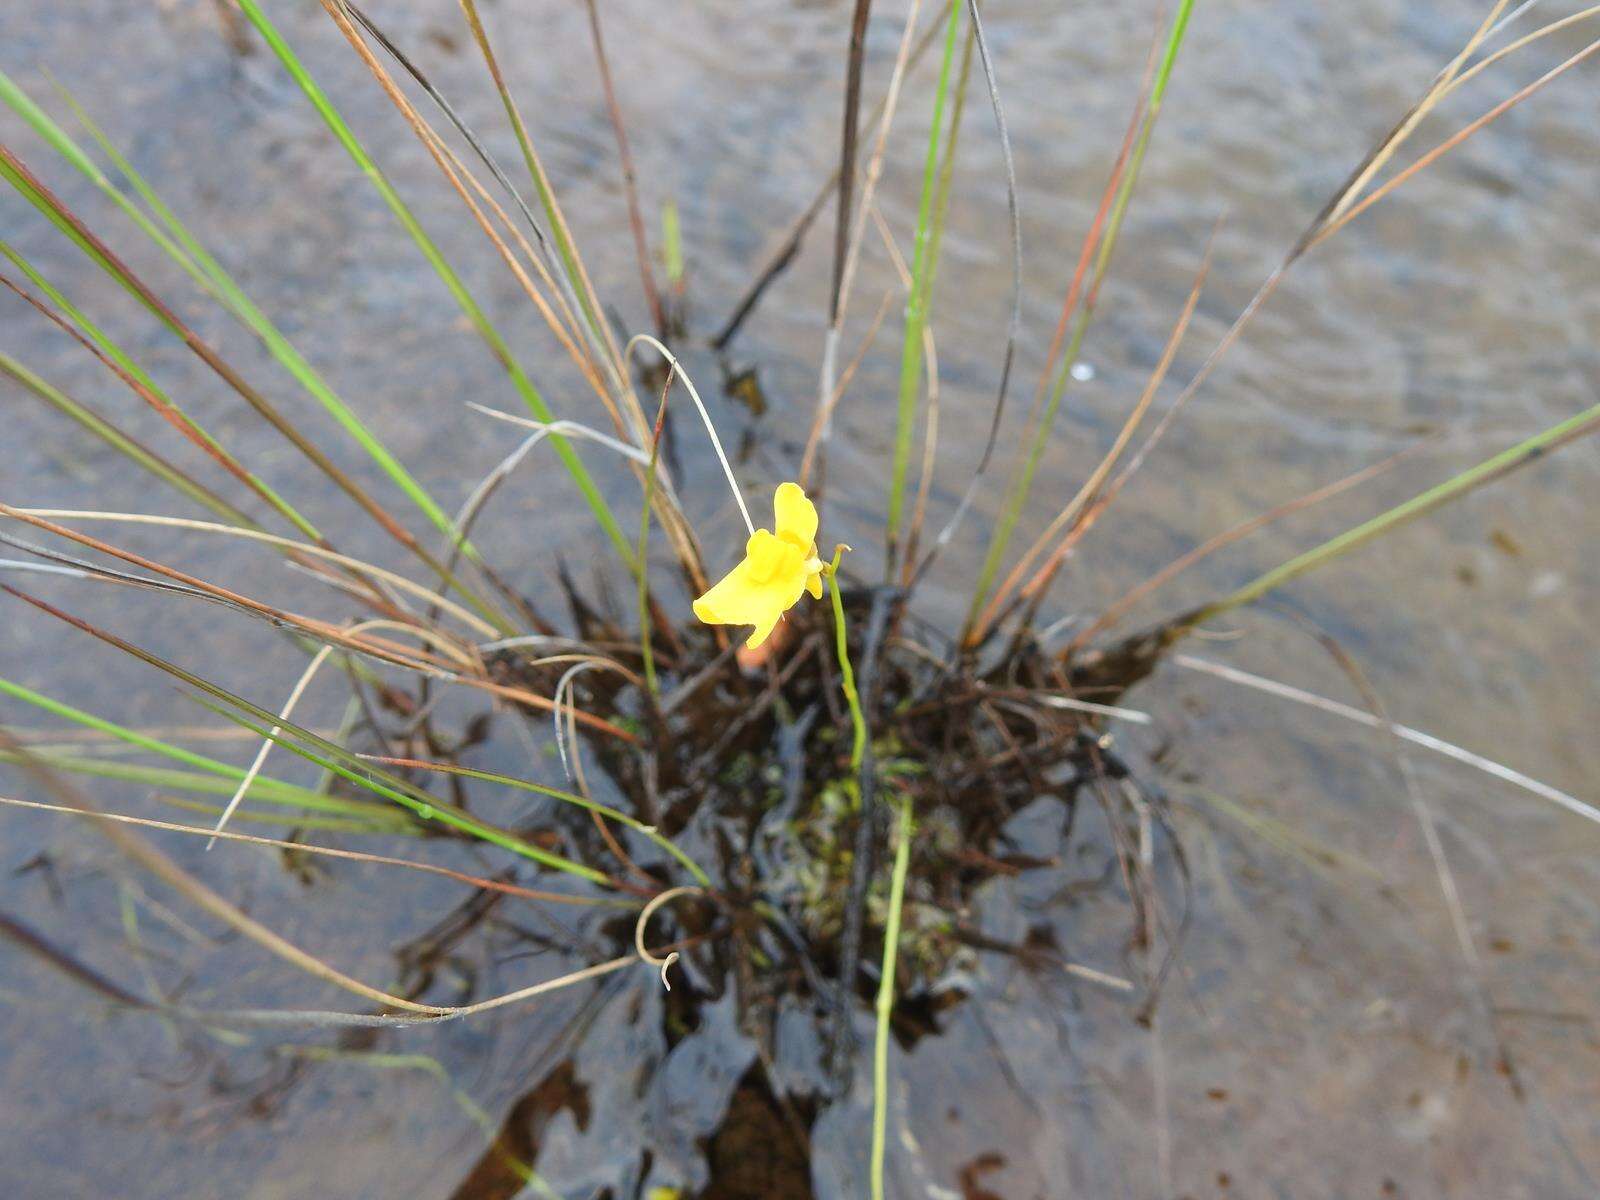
(762, 632)
(768, 581)
(794, 516)
(733, 600)
(767, 557)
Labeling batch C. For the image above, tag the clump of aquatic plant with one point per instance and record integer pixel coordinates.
(816, 808)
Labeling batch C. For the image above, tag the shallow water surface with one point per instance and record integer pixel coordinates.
(1321, 1033)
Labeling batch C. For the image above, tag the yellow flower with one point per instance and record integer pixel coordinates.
(777, 567)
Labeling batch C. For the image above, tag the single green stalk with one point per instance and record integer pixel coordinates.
(947, 163)
(530, 394)
(885, 1000)
(646, 654)
(594, 806)
(1023, 483)
(403, 827)
(917, 304)
(858, 722)
(1490, 469)
(672, 245)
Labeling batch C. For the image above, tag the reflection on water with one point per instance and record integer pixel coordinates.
(1320, 1035)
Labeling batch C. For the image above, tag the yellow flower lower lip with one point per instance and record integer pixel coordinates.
(779, 566)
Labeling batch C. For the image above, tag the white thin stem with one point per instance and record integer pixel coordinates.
(1509, 18)
(1512, 48)
(17, 564)
(711, 430)
(1089, 706)
(269, 741)
(545, 428)
(287, 711)
(1427, 741)
(589, 663)
(256, 535)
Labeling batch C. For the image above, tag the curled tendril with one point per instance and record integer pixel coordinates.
(649, 911)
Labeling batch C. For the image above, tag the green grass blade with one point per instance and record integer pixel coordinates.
(321, 751)
(917, 302)
(224, 776)
(185, 249)
(941, 212)
(435, 257)
(1520, 455)
(604, 810)
(1158, 92)
(394, 825)
(270, 791)
(947, 164)
(380, 783)
(1023, 483)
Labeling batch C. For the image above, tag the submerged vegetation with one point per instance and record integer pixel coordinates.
(806, 814)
